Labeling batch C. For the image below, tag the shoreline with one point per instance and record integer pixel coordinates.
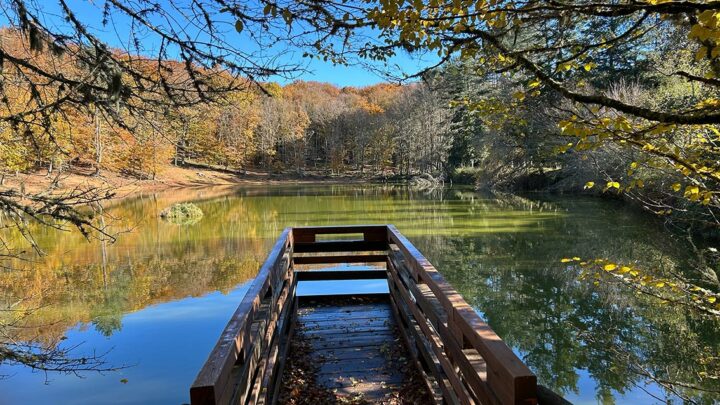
(173, 178)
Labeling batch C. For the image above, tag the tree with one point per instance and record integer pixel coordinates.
(55, 66)
(572, 54)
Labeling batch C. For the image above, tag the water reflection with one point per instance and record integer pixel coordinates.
(501, 252)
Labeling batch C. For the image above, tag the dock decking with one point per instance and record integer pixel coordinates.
(354, 347)
(456, 355)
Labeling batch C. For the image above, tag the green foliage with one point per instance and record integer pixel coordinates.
(182, 214)
(465, 175)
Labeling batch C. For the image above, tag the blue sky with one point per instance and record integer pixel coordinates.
(347, 75)
(118, 32)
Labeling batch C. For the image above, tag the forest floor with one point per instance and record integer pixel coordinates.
(171, 177)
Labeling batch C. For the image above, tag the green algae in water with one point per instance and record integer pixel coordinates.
(182, 214)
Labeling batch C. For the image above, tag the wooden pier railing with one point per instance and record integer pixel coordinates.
(461, 359)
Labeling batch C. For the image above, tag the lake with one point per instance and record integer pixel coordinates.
(154, 302)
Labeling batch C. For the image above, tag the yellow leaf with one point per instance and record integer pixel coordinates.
(610, 267)
(676, 187)
(589, 184)
(712, 300)
(564, 66)
(692, 193)
(565, 260)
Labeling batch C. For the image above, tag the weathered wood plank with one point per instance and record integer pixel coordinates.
(213, 379)
(358, 306)
(378, 313)
(433, 341)
(453, 357)
(349, 379)
(508, 377)
(424, 355)
(284, 348)
(342, 330)
(359, 245)
(432, 385)
(305, 234)
(356, 367)
(279, 318)
(350, 353)
(325, 259)
(330, 325)
(352, 346)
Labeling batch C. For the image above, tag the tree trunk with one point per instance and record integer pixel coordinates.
(98, 143)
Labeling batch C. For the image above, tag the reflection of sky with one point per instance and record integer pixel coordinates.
(338, 287)
(342, 287)
(165, 345)
(587, 386)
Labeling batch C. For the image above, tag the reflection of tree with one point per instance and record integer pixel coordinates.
(108, 324)
(95, 283)
(560, 324)
(76, 294)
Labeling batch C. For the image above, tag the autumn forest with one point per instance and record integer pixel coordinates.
(554, 155)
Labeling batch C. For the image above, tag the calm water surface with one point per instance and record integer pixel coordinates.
(156, 300)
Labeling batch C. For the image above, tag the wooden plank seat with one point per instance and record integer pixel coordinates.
(458, 357)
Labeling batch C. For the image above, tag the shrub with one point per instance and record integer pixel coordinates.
(182, 214)
(465, 175)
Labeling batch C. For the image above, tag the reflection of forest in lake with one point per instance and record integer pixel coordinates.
(502, 253)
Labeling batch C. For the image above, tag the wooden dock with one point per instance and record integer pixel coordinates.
(456, 355)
